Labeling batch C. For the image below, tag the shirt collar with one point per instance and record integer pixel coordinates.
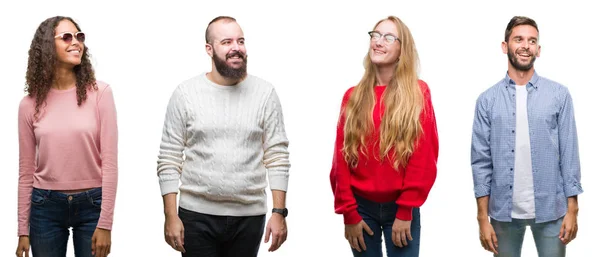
(508, 82)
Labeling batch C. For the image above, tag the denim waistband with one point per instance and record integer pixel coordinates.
(367, 202)
(76, 197)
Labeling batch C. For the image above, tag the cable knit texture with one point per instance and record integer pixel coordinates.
(69, 147)
(220, 142)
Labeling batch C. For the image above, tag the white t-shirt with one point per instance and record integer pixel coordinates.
(523, 197)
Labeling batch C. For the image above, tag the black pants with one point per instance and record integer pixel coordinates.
(221, 236)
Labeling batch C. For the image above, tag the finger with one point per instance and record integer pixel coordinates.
(178, 244)
(490, 244)
(180, 248)
(99, 251)
(181, 241)
(104, 250)
(267, 234)
(396, 238)
(94, 245)
(368, 229)
(495, 241)
(355, 244)
(361, 241)
(567, 234)
(562, 231)
(170, 241)
(274, 243)
(403, 238)
(182, 236)
(409, 235)
(483, 244)
(27, 252)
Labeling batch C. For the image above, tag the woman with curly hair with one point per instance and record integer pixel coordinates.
(386, 147)
(67, 148)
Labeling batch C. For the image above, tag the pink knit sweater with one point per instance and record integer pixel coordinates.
(68, 147)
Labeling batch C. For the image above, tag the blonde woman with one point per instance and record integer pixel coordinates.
(384, 163)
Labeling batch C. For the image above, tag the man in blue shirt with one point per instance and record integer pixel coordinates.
(524, 154)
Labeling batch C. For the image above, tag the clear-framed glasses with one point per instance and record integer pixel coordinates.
(68, 36)
(389, 38)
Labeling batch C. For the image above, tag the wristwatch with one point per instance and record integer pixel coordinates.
(283, 212)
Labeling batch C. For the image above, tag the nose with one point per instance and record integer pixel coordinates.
(235, 46)
(74, 41)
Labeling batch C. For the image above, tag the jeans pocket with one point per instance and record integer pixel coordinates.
(38, 197)
(95, 200)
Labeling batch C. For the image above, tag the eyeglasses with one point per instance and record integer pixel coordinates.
(67, 37)
(389, 38)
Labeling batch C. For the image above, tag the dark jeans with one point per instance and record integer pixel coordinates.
(221, 236)
(53, 213)
(380, 218)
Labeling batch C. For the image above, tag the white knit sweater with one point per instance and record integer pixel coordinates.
(220, 142)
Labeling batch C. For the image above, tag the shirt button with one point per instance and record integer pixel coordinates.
(513, 150)
(513, 131)
(510, 186)
(511, 169)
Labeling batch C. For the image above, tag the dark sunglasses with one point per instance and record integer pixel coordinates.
(68, 36)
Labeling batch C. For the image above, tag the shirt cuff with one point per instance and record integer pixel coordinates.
(278, 180)
(404, 213)
(573, 189)
(352, 217)
(482, 190)
(169, 186)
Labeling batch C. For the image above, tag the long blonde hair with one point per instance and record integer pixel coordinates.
(400, 126)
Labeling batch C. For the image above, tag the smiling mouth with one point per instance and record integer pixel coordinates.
(378, 52)
(524, 55)
(74, 50)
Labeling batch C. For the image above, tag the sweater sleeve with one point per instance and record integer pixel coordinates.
(109, 155)
(421, 170)
(275, 144)
(344, 201)
(170, 158)
(27, 163)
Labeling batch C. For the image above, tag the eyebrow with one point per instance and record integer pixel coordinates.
(519, 36)
(225, 39)
(383, 34)
(68, 31)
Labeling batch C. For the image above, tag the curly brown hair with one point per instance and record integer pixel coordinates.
(42, 64)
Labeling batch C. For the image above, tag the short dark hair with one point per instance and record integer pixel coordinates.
(207, 33)
(517, 21)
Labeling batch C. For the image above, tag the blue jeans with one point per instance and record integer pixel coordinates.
(53, 213)
(380, 218)
(510, 237)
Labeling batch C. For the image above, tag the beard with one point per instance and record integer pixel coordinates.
(229, 72)
(514, 61)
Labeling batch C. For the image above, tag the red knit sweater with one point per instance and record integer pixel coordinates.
(379, 181)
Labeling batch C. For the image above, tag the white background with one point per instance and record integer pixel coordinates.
(312, 52)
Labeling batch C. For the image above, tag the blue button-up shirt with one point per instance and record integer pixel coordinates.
(554, 150)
